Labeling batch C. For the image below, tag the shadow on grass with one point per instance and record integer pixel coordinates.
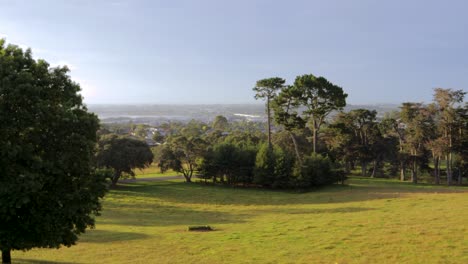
(34, 261)
(154, 214)
(105, 236)
(198, 193)
(327, 210)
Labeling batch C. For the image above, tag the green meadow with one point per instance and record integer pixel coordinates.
(365, 221)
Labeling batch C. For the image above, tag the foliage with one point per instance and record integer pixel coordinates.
(182, 154)
(49, 189)
(123, 155)
(229, 163)
(267, 89)
(310, 100)
(317, 170)
(265, 163)
(220, 123)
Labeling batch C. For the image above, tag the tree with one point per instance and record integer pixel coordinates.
(285, 107)
(49, 188)
(267, 89)
(310, 100)
(220, 123)
(446, 100)
(158, 137)
(182, 155)
(141, 131)
(265, 164)
(231, 163)
(320, 97)
(123, 155)
(418, 123)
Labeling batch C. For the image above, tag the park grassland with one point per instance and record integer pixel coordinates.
(367, 221)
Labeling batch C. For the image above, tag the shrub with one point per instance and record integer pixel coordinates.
(317, 170)
(264, 173)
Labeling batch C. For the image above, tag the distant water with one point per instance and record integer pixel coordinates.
(158, 113)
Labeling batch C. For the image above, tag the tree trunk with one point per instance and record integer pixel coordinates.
(296, 148)
(374, 169)
(436, 170)
(347, 167)
(6, 256)
(364, 169)
(187, 178)
(269, 122)
(314, 139)
(414, 170)
(449, 173)
(402, 171)
(115, 178)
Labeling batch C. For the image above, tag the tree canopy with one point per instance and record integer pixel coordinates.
(123, 155)
(49, 188)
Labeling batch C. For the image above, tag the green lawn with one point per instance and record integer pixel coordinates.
(369, 221)
(154, 172)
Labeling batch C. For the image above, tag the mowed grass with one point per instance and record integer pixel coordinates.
(154, 172)
(368, 221)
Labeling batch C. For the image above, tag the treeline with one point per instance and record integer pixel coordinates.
(420, 139)
(310, 142)
(275, 160)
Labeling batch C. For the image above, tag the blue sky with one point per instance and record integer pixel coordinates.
(130, 51)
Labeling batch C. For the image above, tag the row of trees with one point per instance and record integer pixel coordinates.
(240, 157)
(315, 143)
(315, 137)
(415, 140)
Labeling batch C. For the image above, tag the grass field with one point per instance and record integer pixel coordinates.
(154, 172)
(368, 221)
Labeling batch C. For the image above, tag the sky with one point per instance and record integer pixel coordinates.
(213, 51)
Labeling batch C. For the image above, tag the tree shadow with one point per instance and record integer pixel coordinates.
(105, 236)
(155, 214)
(199, 193)
(340, 210)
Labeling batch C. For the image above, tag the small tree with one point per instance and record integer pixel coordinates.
(123, 155)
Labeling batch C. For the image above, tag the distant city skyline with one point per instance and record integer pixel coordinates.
(213, 52)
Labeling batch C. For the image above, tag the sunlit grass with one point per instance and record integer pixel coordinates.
(369, 221)
(154, 172)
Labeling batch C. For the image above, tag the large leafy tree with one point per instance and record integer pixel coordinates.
(309, 101)
(355, 136)
(449, 119)
(123, 155)
(49, 188)
(182, 154)
(320, 97)
(267, 89)
(417, 122)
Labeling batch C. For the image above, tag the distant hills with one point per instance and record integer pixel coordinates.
(160, 113)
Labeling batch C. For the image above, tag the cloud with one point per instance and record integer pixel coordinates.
(5, 36)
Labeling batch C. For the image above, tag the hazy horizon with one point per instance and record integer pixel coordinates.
(212, 52)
